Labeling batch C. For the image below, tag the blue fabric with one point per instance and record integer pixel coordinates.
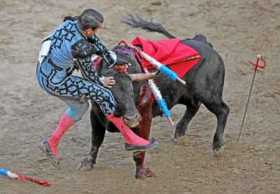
(54, 73)
(76, 109)
(77, 89)
(3, 172)
(60, 60)
(168, 72)
(63, 38)
(71, 112)
(60, 54)
(163, 107)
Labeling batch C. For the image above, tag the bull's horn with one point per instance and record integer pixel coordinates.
(142, 76)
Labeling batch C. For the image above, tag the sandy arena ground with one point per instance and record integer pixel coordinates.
(238, 29)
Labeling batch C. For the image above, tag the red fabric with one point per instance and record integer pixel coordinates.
(41, 182)
(170, 52)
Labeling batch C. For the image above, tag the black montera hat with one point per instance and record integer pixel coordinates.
(90, 18)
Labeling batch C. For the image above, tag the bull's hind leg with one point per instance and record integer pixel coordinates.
(98, 133)
(182, 125)
(221, 110)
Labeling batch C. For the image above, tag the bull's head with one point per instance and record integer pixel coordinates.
(128, 75)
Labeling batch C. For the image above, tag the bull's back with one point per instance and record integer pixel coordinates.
(207, 77)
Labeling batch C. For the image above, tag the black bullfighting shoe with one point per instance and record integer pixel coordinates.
(46, 149)
(153, 144)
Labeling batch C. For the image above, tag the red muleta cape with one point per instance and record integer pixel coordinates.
(170, 52)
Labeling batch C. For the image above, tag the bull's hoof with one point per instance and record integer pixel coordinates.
(183, 142)
(142, 173)
(179, 133)
(218, 144)
(218, 153)
(86, 164)
(174, 140)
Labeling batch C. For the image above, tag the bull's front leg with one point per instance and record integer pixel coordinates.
(145, 110)
(98, 133)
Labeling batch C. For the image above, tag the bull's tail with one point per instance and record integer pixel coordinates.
(138, 22)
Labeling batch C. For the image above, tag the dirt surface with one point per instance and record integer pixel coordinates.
(238, 29)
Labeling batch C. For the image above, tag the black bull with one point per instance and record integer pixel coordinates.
(204, 85)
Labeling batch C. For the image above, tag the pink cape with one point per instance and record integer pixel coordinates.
(170, 52)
